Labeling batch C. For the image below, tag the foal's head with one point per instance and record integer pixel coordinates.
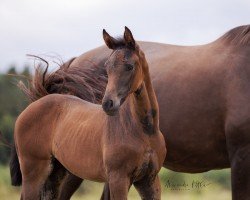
(124, 68)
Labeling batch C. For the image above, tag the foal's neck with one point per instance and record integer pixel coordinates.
(146, 105)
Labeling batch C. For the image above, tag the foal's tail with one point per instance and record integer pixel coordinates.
(15, 172)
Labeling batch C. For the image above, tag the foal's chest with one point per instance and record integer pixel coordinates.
(148, 167)
(137, 160)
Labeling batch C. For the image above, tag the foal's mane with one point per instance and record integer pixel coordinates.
(85, 82)
(237, 36)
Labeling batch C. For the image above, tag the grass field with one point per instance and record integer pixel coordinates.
(175, 186)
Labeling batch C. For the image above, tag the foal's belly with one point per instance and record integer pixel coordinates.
(84, 164)
(91, 170)
(82, 156)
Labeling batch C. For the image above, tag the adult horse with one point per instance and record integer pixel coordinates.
(203, 93)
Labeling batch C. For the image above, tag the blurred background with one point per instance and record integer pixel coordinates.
(59, 30)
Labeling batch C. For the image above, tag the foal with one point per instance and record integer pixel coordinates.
(122, 147)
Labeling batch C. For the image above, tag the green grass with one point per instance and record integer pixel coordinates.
(218, 187)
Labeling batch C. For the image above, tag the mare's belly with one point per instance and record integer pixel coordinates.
(192, 122)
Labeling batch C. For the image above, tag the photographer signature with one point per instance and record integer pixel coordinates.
(193, 185)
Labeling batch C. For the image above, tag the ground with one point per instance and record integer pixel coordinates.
(211, 185)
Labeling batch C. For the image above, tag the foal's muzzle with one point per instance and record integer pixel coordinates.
(109, 107)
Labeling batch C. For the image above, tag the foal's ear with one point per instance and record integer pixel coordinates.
(129, 39)
(109, 41)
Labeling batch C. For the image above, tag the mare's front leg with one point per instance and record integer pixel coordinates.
(238, 144)
(240, 174)
(119, 186)
(149, 188)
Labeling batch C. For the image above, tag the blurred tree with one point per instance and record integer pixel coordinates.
(222, 177)
(26, 70)
(12, 70)
(12, 102)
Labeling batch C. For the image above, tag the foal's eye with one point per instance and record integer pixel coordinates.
(129, 67)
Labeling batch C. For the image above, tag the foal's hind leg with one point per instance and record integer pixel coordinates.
(52, 184)
(70, 184)
(34, 174)
(149, 189)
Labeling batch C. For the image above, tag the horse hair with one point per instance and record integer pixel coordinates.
(237, 36)
(87, 83)
(51, 186)
(15, 172)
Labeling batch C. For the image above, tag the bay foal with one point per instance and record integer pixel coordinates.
(122, 147)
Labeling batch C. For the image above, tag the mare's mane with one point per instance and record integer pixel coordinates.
(237, 36)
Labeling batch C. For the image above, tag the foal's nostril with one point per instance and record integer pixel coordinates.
(108, 105)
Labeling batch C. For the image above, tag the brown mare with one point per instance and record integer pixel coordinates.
(122, 147)
(203, 93)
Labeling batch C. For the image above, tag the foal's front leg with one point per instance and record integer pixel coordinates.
(118, 186)
(148, 188)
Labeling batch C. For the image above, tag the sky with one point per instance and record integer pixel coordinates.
(68, 28)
